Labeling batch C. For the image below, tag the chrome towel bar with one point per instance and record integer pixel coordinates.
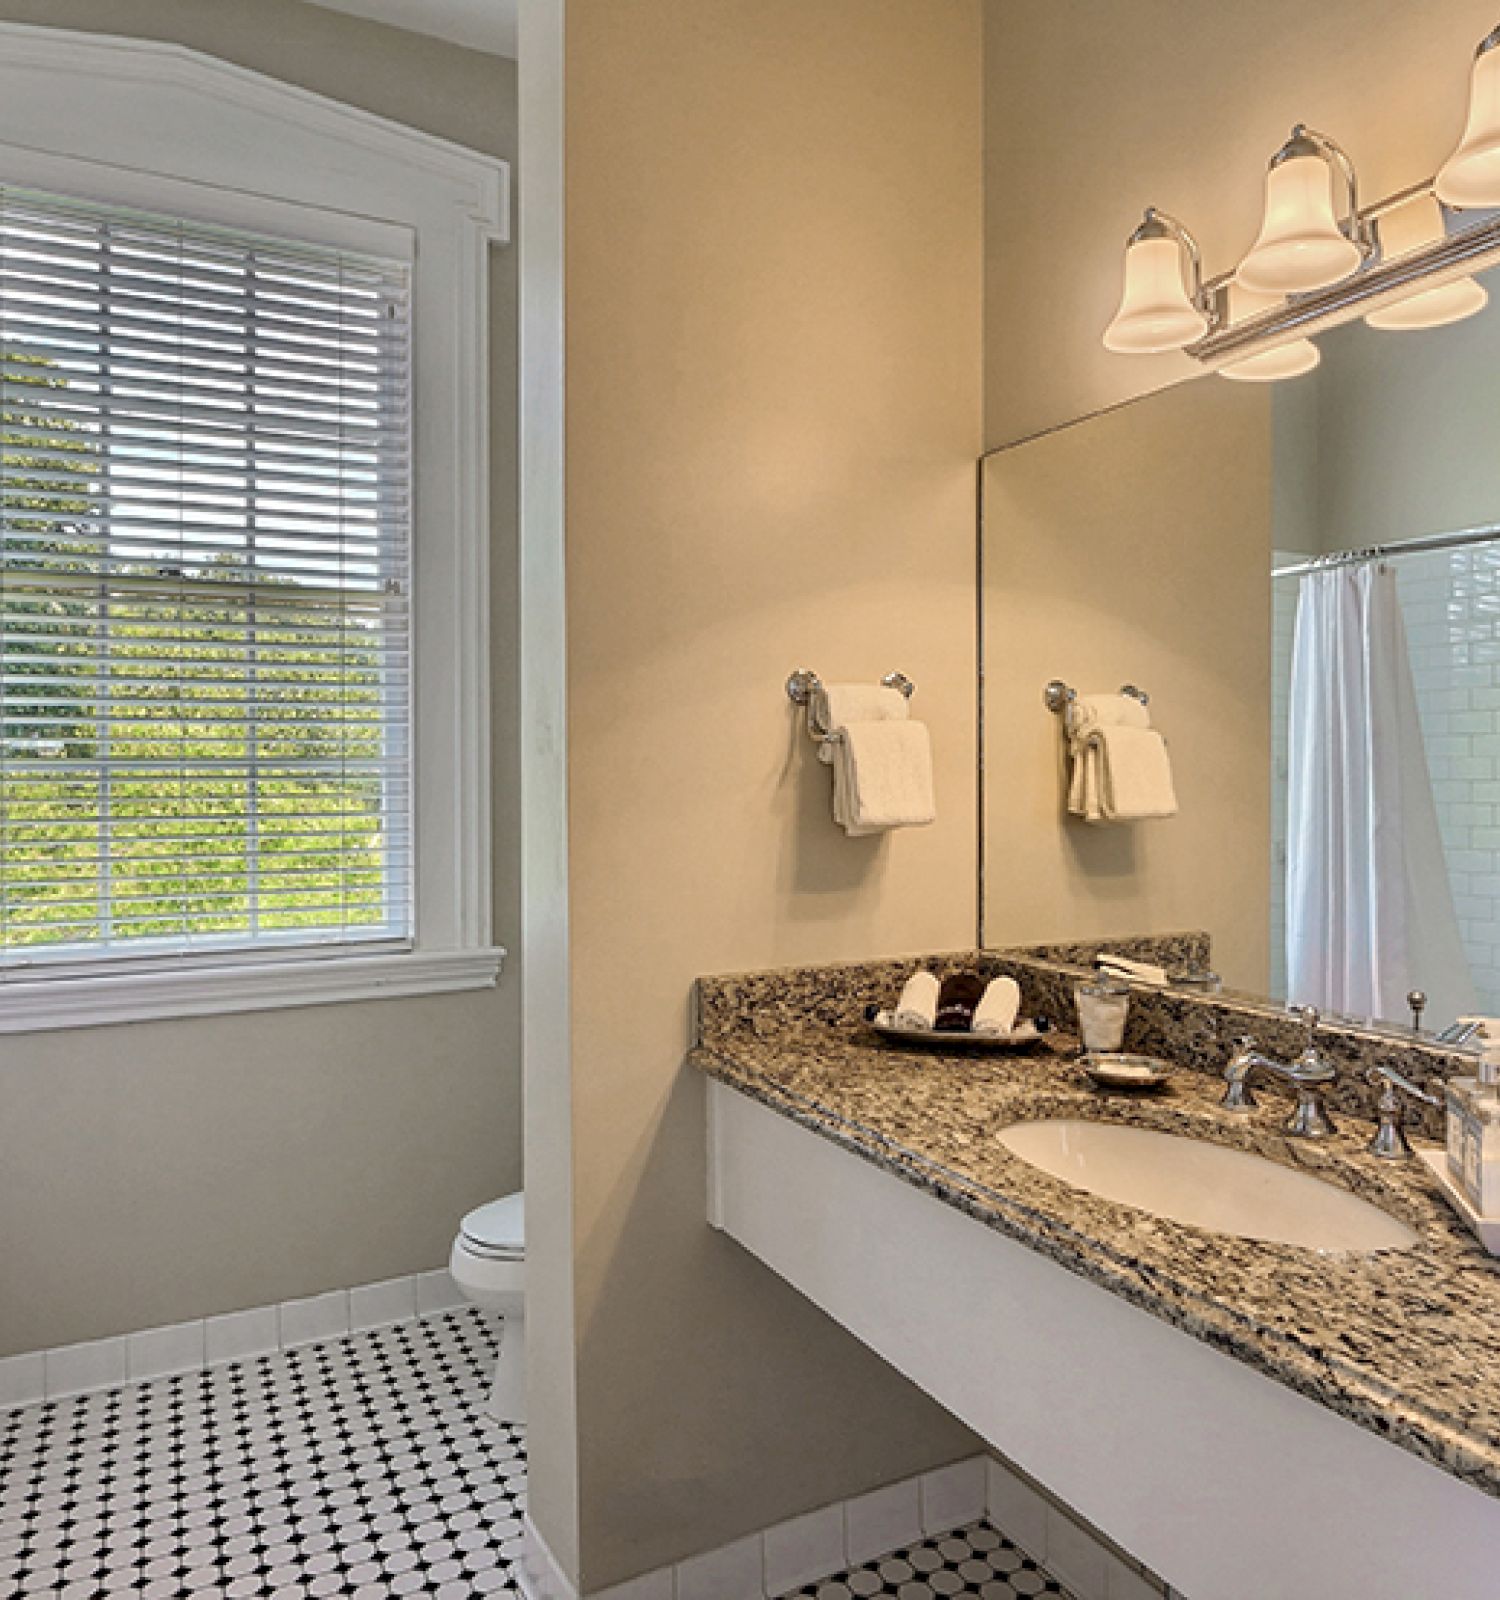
(1058, 696)
(802, 687)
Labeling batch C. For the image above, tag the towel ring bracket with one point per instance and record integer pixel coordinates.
(1058, 696)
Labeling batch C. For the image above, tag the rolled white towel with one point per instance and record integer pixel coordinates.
(1090, 711)
(839, 704)
(1140, 971)
(917, 1007)
(997, 1011)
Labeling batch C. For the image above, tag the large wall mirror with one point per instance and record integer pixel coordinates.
(1304, 577)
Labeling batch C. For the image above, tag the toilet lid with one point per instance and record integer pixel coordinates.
(499, 1228)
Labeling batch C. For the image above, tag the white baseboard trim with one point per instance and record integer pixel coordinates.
(538, 1571)
(1078, 1555)
(803, 1550)
(808, 1549)
(208, 1341)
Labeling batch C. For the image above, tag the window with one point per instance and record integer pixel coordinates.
(244, 542)
(204, 644)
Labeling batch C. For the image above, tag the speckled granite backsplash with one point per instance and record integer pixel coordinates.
(1187, 1027)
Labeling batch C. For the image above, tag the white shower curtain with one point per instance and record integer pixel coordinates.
(1369, 906)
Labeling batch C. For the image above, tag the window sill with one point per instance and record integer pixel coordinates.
(32, 1005)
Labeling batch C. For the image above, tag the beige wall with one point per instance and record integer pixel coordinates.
(1096, 111)
(168, 1170)
(773, 266)
(1134, 547)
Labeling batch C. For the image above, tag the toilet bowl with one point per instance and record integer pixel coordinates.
(489, 1266)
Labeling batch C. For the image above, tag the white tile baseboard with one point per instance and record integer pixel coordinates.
(817, 1545)
(1091, 1565)
(792, 1554)
(209, 1341)
(538, 1571)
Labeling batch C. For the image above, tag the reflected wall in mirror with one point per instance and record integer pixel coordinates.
(1332, 714)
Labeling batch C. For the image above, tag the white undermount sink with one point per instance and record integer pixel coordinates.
(1206, 1185)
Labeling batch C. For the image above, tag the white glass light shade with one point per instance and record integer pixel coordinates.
(1270, 366)
(1471, 175)
(1300, 246)
(1156, 312)
(1245, 305)
(1432, 308)
(1413, 224)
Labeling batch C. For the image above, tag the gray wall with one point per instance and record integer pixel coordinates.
(1406, 431)
(164, 1171)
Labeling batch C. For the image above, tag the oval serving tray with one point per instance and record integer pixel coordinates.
(1121, 1071)
(1021, 1037)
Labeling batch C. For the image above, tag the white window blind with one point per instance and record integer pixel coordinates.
(204, 637)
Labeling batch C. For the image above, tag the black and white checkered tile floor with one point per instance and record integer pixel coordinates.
(974, 1561)
(360, 1468)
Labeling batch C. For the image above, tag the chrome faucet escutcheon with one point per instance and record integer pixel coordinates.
(1309, 1075)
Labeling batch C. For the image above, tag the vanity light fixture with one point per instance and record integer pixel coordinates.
(1321, 257)
(1163, 306)
(1270, 366)
(1470, 177)
(1418, 224)
(1288, 360)
(1303, 243)
(1432, 308)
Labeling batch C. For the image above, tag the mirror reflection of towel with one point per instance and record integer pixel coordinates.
(1090, 711)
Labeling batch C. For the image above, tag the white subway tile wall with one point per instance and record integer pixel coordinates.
(1451, 602)
(1452, 606)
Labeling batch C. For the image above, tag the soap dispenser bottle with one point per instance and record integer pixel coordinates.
(1474, 1130)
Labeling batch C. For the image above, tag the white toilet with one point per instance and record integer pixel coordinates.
(489, 1266)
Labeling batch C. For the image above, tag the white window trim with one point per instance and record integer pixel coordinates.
(131, 122)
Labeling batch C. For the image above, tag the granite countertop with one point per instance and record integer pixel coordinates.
(1400, 1342)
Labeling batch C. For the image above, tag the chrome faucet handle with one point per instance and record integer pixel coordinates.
(1311, 1019)
(1312, 1066)
(1237, 1095)
(1390, 1141)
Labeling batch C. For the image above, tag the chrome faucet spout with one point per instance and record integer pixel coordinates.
(1308, 1075)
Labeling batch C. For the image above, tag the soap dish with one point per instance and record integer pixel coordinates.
(1114, 1071)
(1486, 1229)
(1021, 1037)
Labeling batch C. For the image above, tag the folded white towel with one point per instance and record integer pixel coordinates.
(917, 1007)
(1139, 971)
(836, 705)
(1090, 711)
(1121, 774)
(997, 1011)
(882, 776)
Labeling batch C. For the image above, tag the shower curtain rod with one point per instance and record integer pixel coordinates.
(1423, 545)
